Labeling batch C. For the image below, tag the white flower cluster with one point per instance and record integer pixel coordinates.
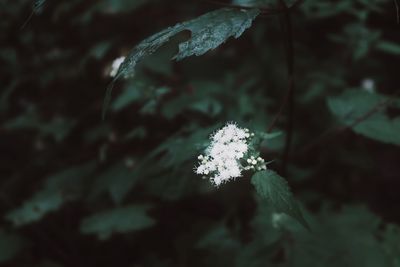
(224, 158)
(255, 164)
(115, 66)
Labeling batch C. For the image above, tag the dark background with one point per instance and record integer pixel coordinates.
(76, 190)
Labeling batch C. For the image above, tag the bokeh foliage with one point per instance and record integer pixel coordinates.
(76, 190)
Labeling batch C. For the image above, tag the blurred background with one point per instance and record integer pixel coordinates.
(76, 190)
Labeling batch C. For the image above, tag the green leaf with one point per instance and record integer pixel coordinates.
(208, 32)
(99, 50)
(218, 238)
(59, 127)
(267, 136)
(118, 220)
(129, 95)
(388, 47)
(214, 28)
(272, 187)
(38, 6)
(252, 3)
(203, 99)
(351, 232)
(115, 6)
(117, 180)
(59, 188)
(391, 246)
(365, 112)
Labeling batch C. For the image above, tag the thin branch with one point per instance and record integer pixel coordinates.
(291, 85)
(280, 112)
(27, 20)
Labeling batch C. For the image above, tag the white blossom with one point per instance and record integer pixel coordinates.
(225, 156)
(368, 85)
(115, 66)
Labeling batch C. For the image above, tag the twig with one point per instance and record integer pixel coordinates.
(280, 111)
(291, 86)
(27, 20)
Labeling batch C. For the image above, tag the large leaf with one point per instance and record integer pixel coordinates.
(272, 187)
(59, 188)
(58, 127)
(208, 32)
(365, 113)
(344, 238)
(119, 220)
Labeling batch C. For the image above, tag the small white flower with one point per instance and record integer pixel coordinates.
(368, 85)
(228, 146)
(228, 155)
(115, 66)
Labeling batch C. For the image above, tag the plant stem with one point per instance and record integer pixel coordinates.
(288, 31)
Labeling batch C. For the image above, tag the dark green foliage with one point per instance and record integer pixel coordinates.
(365, 113)
(331, 237)
(58, 189)
(118, 220)
(275, 190)
(208, 32)
(79, 191)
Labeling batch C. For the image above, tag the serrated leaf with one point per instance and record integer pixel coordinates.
(208, 32)
(353, 108)
(272, 187)
(119, 220)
